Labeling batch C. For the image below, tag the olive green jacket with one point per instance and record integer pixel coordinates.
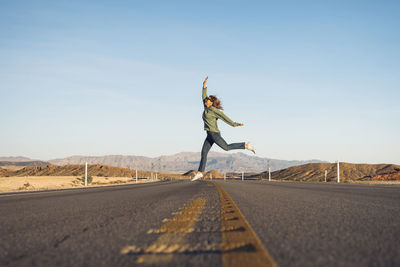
(212, 114)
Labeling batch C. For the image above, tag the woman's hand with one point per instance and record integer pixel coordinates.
(205, 82)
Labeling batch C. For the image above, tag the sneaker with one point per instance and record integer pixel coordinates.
(251, 147)
(197, 176)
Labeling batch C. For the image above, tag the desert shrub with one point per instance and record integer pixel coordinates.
(89, 179)
(25, 187)
(82, 180)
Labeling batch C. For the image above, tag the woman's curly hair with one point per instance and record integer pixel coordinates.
(216, 102)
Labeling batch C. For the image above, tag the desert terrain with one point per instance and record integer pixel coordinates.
(349, 172)
(17, 183)
(18, 178)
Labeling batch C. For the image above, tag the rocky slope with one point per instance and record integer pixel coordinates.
(3, 172)
(348, 171)
(79, 170)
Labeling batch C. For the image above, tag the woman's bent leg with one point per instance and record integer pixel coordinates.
(204, 151)
(222, 143)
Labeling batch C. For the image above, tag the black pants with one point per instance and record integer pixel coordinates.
(210, 140)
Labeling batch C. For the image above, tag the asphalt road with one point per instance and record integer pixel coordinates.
(179, 224)
(319, 224)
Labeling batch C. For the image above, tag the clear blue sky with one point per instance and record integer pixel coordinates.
(309, 79)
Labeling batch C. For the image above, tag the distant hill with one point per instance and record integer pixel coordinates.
(132, 162)
(15, 159)
(21, 161)
(24, 163)
(348, 171)
(79, 170)
(184, 161)
(73, 170)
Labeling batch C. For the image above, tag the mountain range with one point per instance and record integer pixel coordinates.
(180, 162)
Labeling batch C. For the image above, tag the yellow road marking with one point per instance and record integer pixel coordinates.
(240, 245)
(173, 235)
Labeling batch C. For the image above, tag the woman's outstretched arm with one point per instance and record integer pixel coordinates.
(226, 119)
(205, 88)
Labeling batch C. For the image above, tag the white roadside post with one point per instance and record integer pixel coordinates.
(86, 174)
(136, 176)
(338, 172)
(242, 176)
(269, 174)
(326, 174)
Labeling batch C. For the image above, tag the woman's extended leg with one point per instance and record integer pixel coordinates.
(222, 143)
(204, 151)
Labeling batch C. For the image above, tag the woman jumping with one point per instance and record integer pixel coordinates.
(212, 112)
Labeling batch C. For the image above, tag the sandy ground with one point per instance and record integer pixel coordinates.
(10, 184)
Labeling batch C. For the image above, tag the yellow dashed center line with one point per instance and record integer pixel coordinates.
(173, 235)
(240, 245)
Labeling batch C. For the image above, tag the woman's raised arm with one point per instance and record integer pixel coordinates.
(204, 95)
